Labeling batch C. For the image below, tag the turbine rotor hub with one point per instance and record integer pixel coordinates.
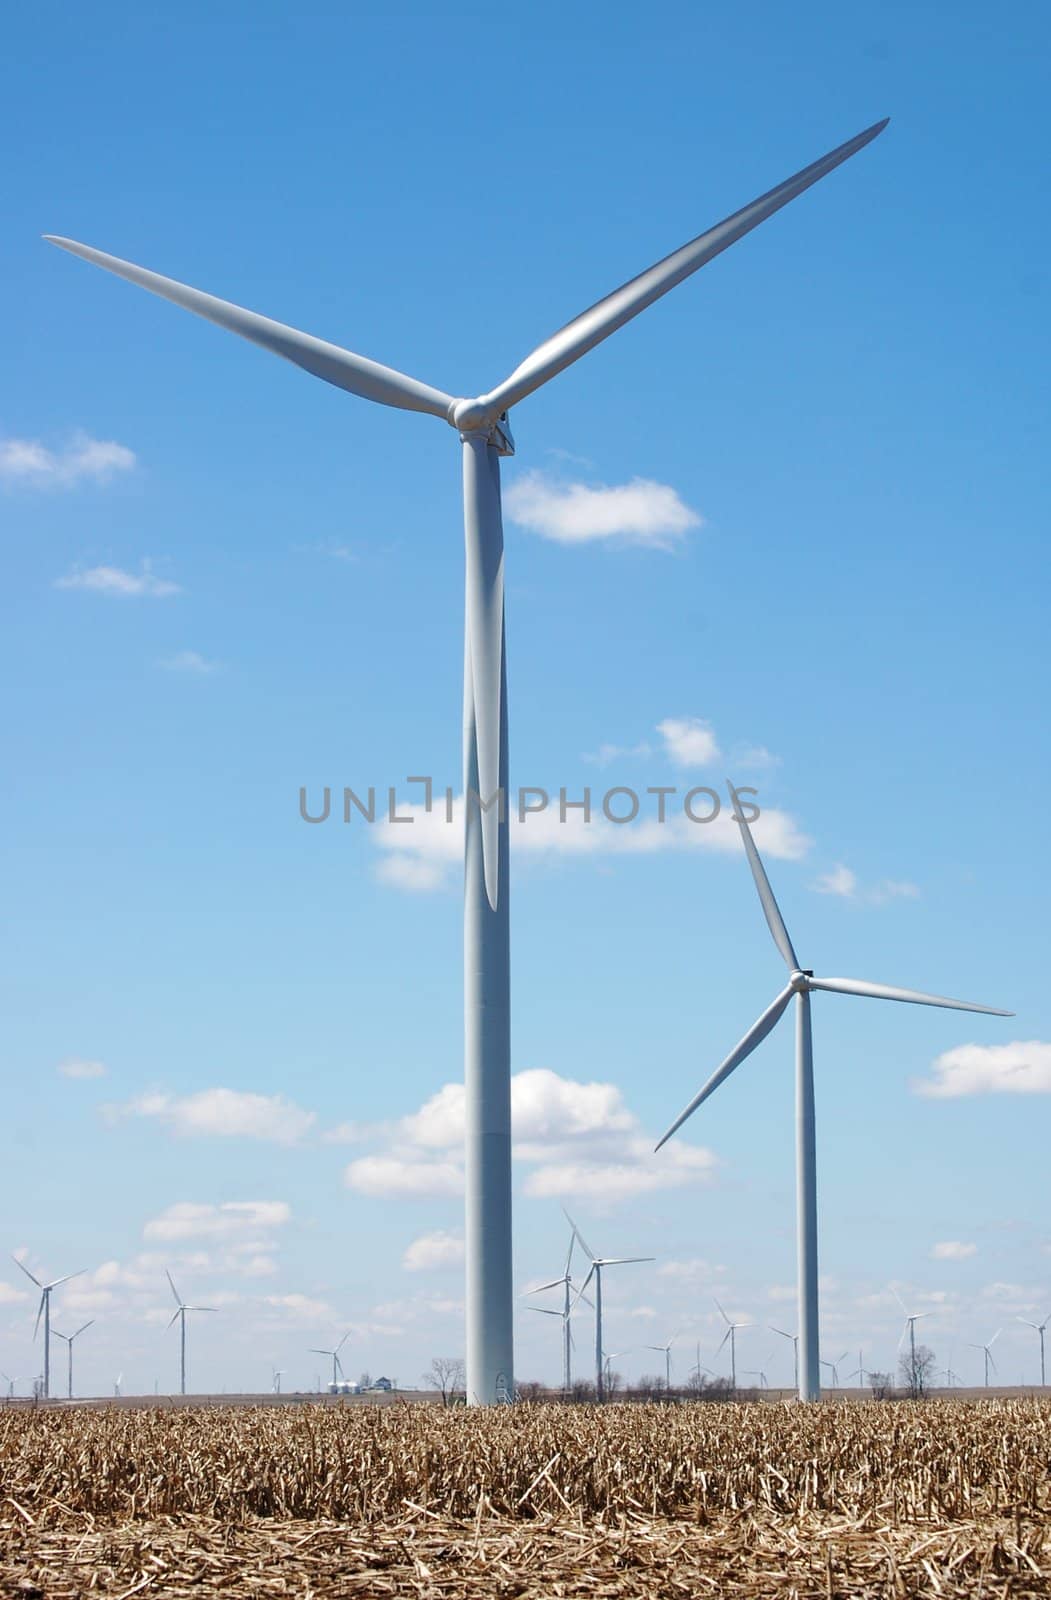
(799, 981)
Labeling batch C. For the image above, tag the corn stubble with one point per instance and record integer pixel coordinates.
(942, 1498)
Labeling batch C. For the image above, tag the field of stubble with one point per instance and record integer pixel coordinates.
(943, 1498)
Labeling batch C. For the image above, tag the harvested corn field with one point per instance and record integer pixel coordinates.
(939, 1498)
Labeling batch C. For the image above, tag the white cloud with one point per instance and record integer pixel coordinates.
(300, 1308)
(639, 512)
(952, 1250)
(688, 741)
(576, 1139)
(1022, 1067)
(840, 881)
(227, 1113)
(893, 889)
(114, 580)
(26, 463)
(433, 1250)
(755, 756)
(231, 1220)
(694, 1270)
(435, 846)
(74, 1067)
(415, 873)
(10, 1296)
(189, 661)
(606, 754)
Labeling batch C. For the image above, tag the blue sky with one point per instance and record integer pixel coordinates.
(823, 575)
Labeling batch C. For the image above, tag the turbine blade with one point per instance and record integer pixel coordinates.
(723, 1340)
(624, 1261)
(543, 1311)
(343, 1341)
(556, 1284)
(755, 1035)
(343, 368)
(174, 1290)
(722, 1313)
(583, 1242)
(27, 1272)
(576, 338)
(39, 1313)
(771, 910)
(484, 549)
(583, 1286)
(886, 991)
(78, 1274)
(995, 1336)
(175, 1318)
(84, 1328)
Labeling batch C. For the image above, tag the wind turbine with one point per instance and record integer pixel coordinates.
(731, 1334)
(10, 1384)
(909, 1332)
(833, 1367)
(758, 1372)
(595, 1271)
(44, 1309)
(277, 1373)
(614, 1355)
(860, 1372)
(987, 1350)
(565, 1283)
(666, 1349)
(180, 1313)
(794, 1337)
(1038, 1328)
(118, 1380)
(801, 982)
(337, 1365)
(69, 1337)
(485, 434)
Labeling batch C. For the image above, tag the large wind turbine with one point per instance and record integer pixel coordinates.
(44, 1309)
(180, 1313)
(1038, 1328)
(595, 1271)
(565, 1283)
(801, 982)
(337, 1365)
(665, 1351)
(909, 1332)
(987, 1351)
(69, 1337)
(484, 432)
(794, 1337)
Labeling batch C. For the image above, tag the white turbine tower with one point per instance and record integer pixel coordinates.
(69, 1337)
(44, 1310)
(794, 1337)
(909, 1332)
(565, 1283)
(595, 1271)
(179, 1314)
(987, 1351)
(118, 1380)
(276, 1374)
(485, 435)
(801, 983)
(337, 1365)
(731, 1335)
(1038, 1328)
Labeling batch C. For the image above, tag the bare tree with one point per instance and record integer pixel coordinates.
(447, 1375)
(917, 1370)
(881, 1385)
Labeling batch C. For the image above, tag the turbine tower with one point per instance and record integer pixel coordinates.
(69, 1337)
(801, 983)
(337, 1365)
(665, 1350)
(731, 1334)
(180, 1314)
(276, 1374)
(565, 1283)
(987, 1350)
(833, 1367)
(44, 1309)
(595, 1271)
(1038, 1328)
(909, 1332)
(485, 435)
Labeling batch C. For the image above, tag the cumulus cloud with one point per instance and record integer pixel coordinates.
(843, 882)
(574, 1140)
(1022, 1067)
(840, 881)
(115, 581)
(688, 741)
(28, 464)
(226, 1113)
(640, 512)
(432, 1251)
(434, 847)
(952, 1250)
(75, 1067)
(10, 1296)
(190, 661)
(234, 1219)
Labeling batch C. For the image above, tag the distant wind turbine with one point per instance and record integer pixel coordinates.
(801, 983)
(118, 1380)
(337, 1365)
(987, 1350)
(565, 1283)
(1038, 1328)
(595, 1271)
(909, 1332)
(277, 1373)
(794, 1337)
(665, 1349)
(69, 1337)
(44, 1309)
(833, 1367)
(481, 423)
(731, 1334)
(180, 1315)
(860, 1372)
(757, 1372)
(10, 1384)
(614, 1355)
